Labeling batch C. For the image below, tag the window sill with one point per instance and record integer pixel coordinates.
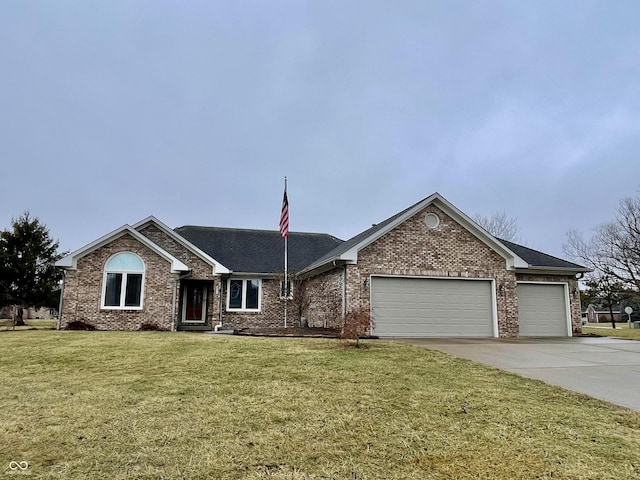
(243, 310)
(133, 309)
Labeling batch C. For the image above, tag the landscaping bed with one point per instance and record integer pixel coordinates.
(316, 332)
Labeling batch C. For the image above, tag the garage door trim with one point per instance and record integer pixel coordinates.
(494, 300)
(567, 303)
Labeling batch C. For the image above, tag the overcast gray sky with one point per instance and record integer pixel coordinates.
(194, 111)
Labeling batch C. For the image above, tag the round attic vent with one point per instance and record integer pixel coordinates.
(431, 220)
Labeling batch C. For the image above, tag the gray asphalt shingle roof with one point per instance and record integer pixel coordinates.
(353, 241)
(262, 251)
(258, 251)
(538, 259)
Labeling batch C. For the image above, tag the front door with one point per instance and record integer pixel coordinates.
(194, 303)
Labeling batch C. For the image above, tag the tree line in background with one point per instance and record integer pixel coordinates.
(613, 252)
(28, 277)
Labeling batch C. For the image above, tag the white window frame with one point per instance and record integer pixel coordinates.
(123, 287)
(244, 295)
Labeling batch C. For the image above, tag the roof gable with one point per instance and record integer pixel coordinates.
(348, 251)
(70, 261)
(218, 268)
(515, 256)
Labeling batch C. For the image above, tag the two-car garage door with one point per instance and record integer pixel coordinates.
(425, 307)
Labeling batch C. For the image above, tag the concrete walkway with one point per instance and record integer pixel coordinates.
(605, 368)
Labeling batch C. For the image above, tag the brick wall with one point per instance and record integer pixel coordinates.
(413, 249)
(325, 299)
(83, 290)
(200, 270)
(271, 313)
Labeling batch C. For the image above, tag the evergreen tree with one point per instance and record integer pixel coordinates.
(28, 277)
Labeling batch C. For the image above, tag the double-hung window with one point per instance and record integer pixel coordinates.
(244, 294)
(123, 282)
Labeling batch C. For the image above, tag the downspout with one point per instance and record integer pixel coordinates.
(60, 304)
(220, 293)
(219, 325)
(173, 305)
(344, 290)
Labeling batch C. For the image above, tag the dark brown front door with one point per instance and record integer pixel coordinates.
(194, 303)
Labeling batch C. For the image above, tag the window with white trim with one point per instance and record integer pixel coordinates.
(123, 282)
(244, 294)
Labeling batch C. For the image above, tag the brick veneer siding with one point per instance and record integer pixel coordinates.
(448, 251)
(200, 270)
(325, 299)
(271, 313)
(574, 301)
(83, 290)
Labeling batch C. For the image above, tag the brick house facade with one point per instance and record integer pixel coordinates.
(204, 278)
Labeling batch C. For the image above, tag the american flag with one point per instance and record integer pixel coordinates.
(284, 216)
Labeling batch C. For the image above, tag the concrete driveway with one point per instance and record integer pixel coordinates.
(605, 368)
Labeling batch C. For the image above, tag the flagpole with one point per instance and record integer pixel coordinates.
(286, 262)
(286, 281)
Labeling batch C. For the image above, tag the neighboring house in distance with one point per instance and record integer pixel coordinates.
(29, 313)
(428, 271)
(595, 311)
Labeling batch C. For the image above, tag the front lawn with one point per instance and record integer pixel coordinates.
(621, 331)
(151, 405)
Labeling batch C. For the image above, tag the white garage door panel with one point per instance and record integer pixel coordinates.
(542, 310)
(422, 307)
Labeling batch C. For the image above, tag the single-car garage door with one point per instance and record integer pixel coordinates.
(542, 310)
(425, 307)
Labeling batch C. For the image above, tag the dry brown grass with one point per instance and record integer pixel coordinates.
(620, 331)
(151, 405)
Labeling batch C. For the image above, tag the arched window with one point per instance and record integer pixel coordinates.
(123, 282)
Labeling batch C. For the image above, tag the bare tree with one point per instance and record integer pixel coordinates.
(295, 291)
(608, 291)
(614, 249)
(356, 324)
(500, 225)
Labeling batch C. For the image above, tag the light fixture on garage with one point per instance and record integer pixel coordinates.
(365, 284)
(501, 289)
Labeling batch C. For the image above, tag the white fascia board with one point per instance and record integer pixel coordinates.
(218, 268)
(71, 260)
(512, 260)
(352, 254)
